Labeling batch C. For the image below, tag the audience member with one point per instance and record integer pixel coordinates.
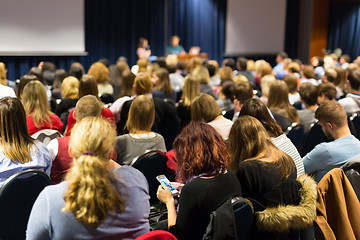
(201, 74)
(76, 70)
(265, 84)
(23, 81)
(190, 91)
(318, 65)
(208, 183)
(308, 96)
(255, 108)
(127, 91)
(326, 92)
(60, 75)
(162, 88)
(258, 163)
(116, 72)
(176, 79)
(18, 150)
(143, 49)
(204, 108)
(48, 70)
(226, 95)
(308, 75)
(326, 156)
(329, 75)
(193, 63)
(37, 108)
(241, 65)
(87, 106)
(279, 70)
(351, 102)
(175, 47)
(225, 73)
(284, 113)
(213, 68)
(99, 199)
(340, 82)
(88, 86)
(101, 74)
(5, 91)
(344, 61)
(140, 137)
(242, 92)
(70, 95)
(292, 83)
(262, 68)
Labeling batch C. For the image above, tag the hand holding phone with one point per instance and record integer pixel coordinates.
(163, 179)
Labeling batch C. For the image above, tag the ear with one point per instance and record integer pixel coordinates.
(70, 151)
(330, 125)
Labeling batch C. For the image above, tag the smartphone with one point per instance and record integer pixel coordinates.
(163, 179)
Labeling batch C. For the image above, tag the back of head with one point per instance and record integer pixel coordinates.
(35, 101)
(340, 77)
(278, 94)
(328, 89)
(308, 93)
(291, 82)
(265, 83)
(87, 106)
(354, 80)
(257, 109)
(243, 91)
(70, 88)
(161, 62)
(201, 74)
(23, 81)
(15, 140)
(265, 69)
(211, 151)
(143, 64)
(332, 112)
(309, 72)
(192, 64)
(99, 71)
(127, 83)
(60, 75)
(3, 78)
(229, 62)
(143, 84)
(122, 66)
(331, 75)
(92, 141)
(282, 55)
(76, 70)
(211, 68)
(105, 61)
(191, 90)
(294, 67)
(240, 79)
(164, 81)
(227, 88)
(204, 108)
(141, 114)
(37, 72)
(88, 86)
(242, 63)
(225, 73)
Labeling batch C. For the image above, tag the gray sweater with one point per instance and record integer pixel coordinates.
(127, 147)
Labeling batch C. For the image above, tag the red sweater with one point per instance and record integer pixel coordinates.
(106, 114)
(56, 124)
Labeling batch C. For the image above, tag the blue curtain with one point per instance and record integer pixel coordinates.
(112, 28)
(199, 23)
(344, 28)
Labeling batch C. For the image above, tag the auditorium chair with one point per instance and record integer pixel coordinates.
(157, 235)
(296, 134)
(313, 136)
(46, 135)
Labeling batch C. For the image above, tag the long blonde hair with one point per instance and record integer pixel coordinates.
(141, 114)
(3, 79)
(191, 90)
(15, 141)
(36, 103)
(91, 193)
(249, 140)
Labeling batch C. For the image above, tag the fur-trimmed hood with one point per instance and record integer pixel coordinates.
(283, 218)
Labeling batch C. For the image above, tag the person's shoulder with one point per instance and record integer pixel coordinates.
(130, 175)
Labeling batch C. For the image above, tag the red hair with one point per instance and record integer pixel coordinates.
(199, 149)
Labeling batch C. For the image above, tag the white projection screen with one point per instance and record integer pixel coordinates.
(42, 27)
(255, 27)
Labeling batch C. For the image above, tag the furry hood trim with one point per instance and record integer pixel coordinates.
(283, 218)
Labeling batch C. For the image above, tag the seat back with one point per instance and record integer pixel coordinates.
(46, 135)
(17, 196)
(313, 137)
(151, 164)
(243, 216)
(157, 235)
(296, 134)
(355, 120)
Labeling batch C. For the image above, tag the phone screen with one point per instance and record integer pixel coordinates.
(163, 179)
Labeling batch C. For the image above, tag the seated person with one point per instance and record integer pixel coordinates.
(202, 75)
(351, 102)
(87, 106)
(308, 96)
(37, 108)
(326, 156)
(100, 73)
(18, 151)
(241, 65)
(162, 88)
(175, 47)
(326, 92)
(208, 183)
(242, 92)
(140, 137)
(226, 95)
(292, 83)
(99, 199)
(204, 108)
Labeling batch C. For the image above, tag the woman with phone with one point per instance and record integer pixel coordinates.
(99, 199)
(202, 166)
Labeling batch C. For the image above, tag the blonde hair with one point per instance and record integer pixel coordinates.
(164, 81)
(225, 73)
(70, 88)
(250, 65)
(249, 140)
(142, 83)
(265, 84)
(190, 91)
(15, 141)
(193, 63)
(3, 79)
(204, 108)
(141, 114)
(201, 74)
(240, 79)
(36, 103)
(99, 71)
(143, 64)
(91, 193)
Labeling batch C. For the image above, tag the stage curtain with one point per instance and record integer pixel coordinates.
(199, 23)
(344, 28)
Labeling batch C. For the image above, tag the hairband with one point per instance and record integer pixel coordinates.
(89, 153)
